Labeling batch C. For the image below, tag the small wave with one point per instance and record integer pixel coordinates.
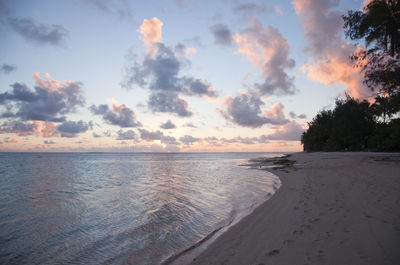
(198, 243)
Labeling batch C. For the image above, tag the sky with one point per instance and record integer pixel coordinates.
(170, 75)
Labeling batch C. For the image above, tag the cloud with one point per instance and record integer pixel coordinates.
(150, 136)
(95, 135)
(268, 50)
(189, 140)
(7, 68)
(49, 129)
(295, 116)
(38, 128)
(190, 50)
(157, 135)
(127, 135)
(169, 102)
(18, 127)
(121, 8)
(222, 34)
(168, 125)
(48, 142)
(291, 131)
(323, 30)
(189, 124)
(181, 50)
(250, 9)
(245, 110)
(103, 134)
(49, 101)
(288, 132)
(160, 71)
(119, 115)
(37, 33)
(239, 139)
(72, 128)
(151, 34)
(20, 93)
(10, 140)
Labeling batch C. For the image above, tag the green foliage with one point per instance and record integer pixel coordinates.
(386, 137)
(386, 107)
(347, 127)
(318, 134)
(353, 125)
(379, 26)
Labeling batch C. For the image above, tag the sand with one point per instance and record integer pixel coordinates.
(332, 208)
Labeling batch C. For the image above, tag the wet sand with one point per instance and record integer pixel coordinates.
(332, 208)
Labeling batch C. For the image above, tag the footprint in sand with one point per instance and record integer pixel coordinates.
(298, 232)
(287, 242)
(273, 252)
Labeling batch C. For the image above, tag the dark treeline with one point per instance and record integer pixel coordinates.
(352, 126)
(360, 125)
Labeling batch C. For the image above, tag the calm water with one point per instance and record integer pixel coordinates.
(113, 208)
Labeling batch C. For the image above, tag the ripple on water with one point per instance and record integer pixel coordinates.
(120, 208)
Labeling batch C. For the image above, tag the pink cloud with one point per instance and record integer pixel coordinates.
(331, 63)
(266, 48)
(10, 140)
(190, 51)
(48, 129)
(151, 34)
(288, 132)
(276, 113)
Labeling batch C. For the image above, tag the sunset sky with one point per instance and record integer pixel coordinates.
(168, 76)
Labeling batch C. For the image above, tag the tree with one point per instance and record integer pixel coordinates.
(347, 127)
(379, 25)
(317, 136)
(353, 125)
(386, 107)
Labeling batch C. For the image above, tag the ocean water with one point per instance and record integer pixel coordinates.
(121, 208)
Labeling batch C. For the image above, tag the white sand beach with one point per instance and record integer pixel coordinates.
(332, 208)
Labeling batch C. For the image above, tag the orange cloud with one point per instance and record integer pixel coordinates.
(276, 112)
(49, 84)
(190, 51)
(331, 55)
(337, 69)
(48, 129)
(54, 85)
(152, 34)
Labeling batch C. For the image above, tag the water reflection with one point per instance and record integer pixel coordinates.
(118, 208)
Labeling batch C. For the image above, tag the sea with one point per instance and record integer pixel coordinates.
(122, 208)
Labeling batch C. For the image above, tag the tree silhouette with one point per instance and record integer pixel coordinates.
(379, 25)
(347, 127)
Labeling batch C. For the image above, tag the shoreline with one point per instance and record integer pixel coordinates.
(186, 255)
(332, 208)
